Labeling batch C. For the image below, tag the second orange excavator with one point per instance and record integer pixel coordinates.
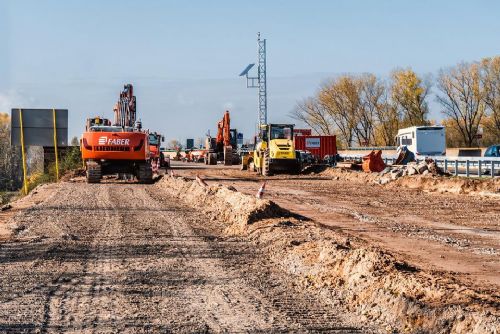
(223, 146)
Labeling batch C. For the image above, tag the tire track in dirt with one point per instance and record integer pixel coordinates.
(107, 258)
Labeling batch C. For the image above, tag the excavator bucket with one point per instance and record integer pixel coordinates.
(373, 163)
(405, 156)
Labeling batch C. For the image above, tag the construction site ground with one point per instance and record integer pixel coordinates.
(125, 257)
(121, 257)
(456, 233)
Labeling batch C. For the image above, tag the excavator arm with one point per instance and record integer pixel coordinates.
(223, 131)
(125, 108)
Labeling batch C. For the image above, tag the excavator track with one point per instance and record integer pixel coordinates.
(94, 172)
(145, 173)
(228, 155)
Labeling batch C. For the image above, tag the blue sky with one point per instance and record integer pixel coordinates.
(183, 57)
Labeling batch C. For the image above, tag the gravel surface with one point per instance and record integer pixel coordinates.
(126, 258)
(448, 232)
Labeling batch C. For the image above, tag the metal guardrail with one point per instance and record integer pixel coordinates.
(371, 148)
(468, 166)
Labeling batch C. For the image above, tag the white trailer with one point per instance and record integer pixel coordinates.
(423, 140)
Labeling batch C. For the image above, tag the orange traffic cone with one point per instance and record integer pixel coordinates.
(260, 193)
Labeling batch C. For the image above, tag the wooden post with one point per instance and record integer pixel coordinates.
(55, 142)
(23, 152)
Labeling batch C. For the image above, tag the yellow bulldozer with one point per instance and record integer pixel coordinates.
(274, 151)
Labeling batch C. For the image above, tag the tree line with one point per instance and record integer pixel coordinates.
(10, 158)
(366, 110)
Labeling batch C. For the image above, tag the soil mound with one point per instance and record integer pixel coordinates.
(430, 183)
(223, 203)
(378, 286)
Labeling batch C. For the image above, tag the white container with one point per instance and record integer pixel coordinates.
(423, 140)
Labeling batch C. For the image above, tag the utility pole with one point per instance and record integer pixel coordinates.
(260, 81)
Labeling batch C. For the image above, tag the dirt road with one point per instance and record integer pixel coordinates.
(454, 233)
(118, 258)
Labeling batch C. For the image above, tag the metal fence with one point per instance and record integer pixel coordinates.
(372, 148)
(468, 166)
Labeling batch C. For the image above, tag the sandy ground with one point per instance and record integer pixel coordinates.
(129, 258)
(437, 232)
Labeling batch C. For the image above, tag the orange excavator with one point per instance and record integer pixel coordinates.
(155, 154)
(118, 148)
(221, 147)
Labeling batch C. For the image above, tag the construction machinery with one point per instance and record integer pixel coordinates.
(274, 151)
(121, 147)
(155, 154)
(223, 147)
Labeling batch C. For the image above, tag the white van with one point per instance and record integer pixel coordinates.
(423, 140)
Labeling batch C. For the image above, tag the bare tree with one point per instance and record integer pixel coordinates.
(372, 94)
(340, 98)
(388, 123)
(174, 144)
(462, 98)
(490, 79)
(313, 113)
(10, 157)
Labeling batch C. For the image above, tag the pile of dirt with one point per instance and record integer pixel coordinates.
(222, 203)
(430, 182)
(9, 225)
(71, 174)
(380, 287)
(456, 185)
(314, 169)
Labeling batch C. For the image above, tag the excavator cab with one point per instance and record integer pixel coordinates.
(97, 121)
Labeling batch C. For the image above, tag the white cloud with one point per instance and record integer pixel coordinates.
(14, 99)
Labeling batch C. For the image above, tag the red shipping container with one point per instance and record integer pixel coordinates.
(319, 146)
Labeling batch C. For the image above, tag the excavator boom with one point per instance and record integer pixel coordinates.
(125, 108)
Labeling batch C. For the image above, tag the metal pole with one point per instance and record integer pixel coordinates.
(456, 167)
(262, 80)
(445, 165)
(23, 152)
(55, 142)
(479, 173)
(467, 168)
(492, 168)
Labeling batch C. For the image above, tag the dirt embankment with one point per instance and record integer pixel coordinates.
(379, 286)
(457, 185)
